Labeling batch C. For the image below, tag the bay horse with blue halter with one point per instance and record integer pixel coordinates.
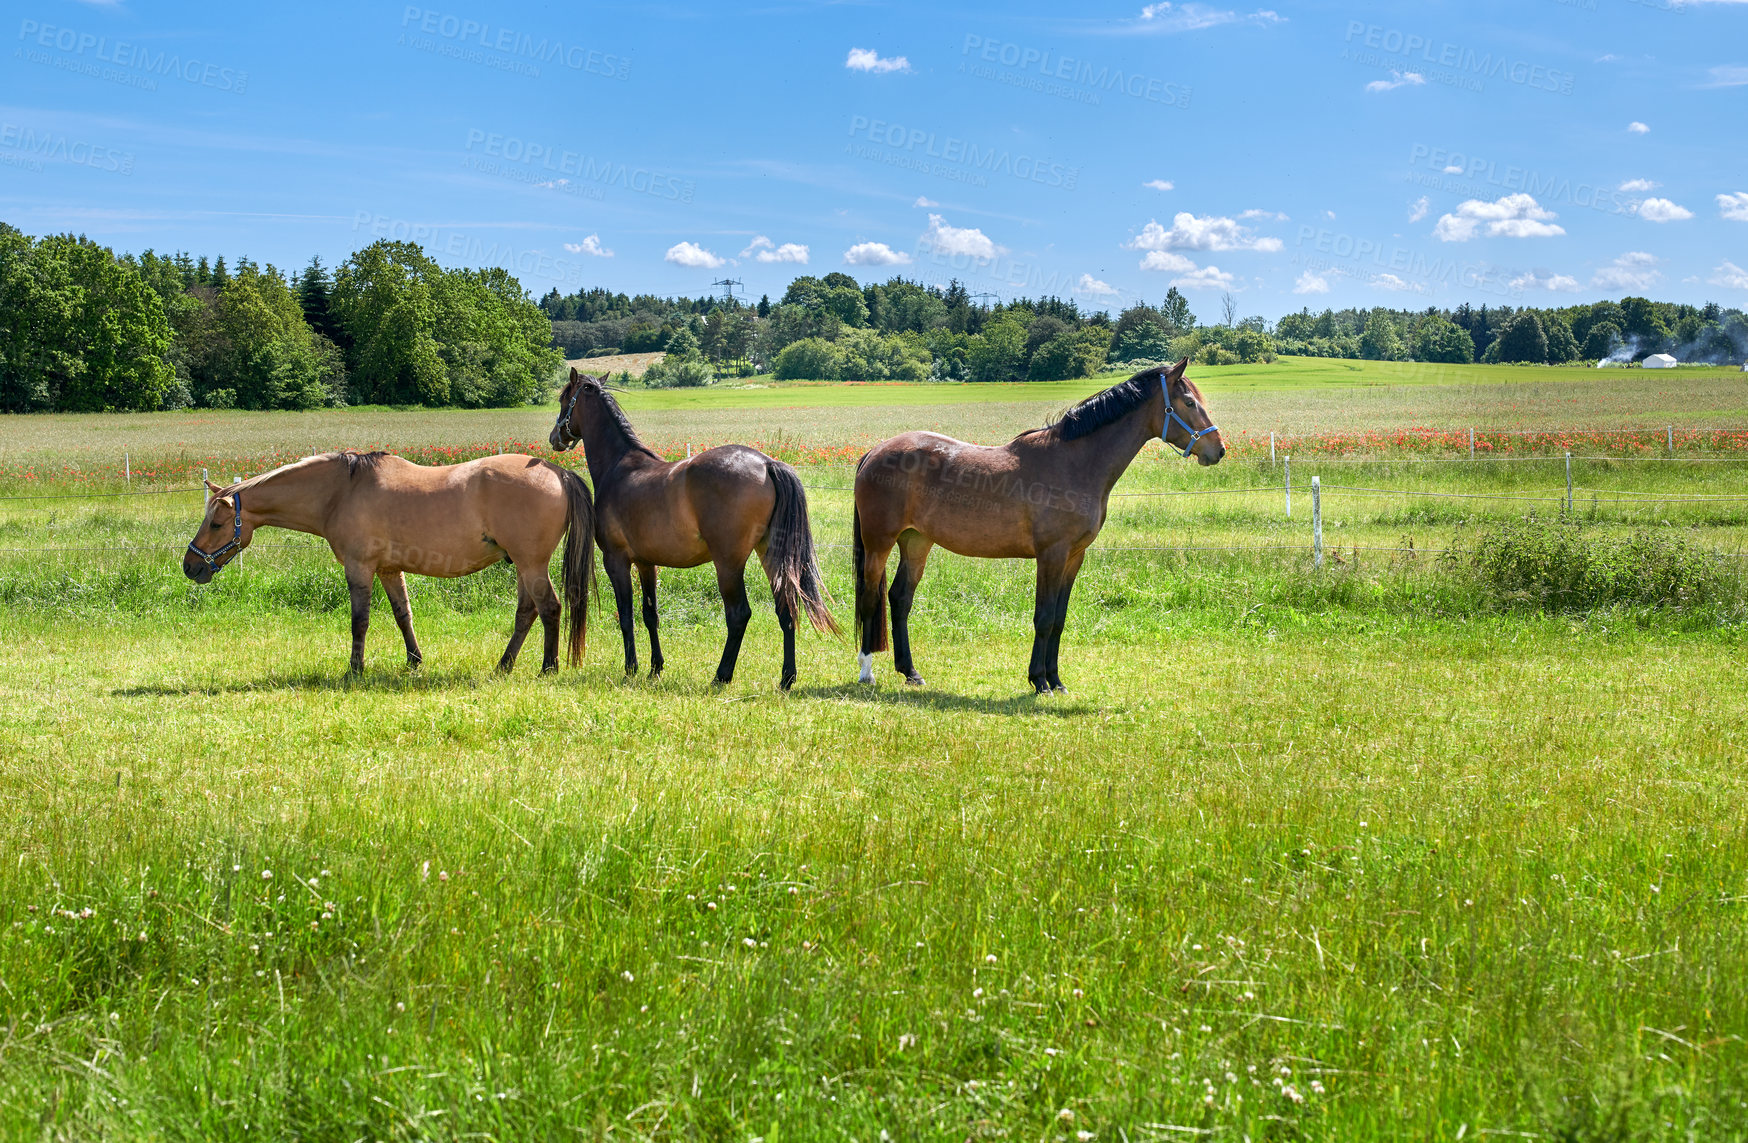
(1042, 496)
(383, 517)
(716, 507)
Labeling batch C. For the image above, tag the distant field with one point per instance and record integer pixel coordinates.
(632, 363)
(1292, 396)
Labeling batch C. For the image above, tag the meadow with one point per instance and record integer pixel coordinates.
(1373, 850)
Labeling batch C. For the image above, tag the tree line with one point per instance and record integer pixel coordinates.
(83, 330)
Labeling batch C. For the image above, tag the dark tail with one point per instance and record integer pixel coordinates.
(789, 550)
(869, 596)
(579, 561)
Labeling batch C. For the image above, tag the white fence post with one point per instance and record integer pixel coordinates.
(1568, 484)
(1671, 442)
(1271, 450)
(205, 492)
(1471, 444)
(1316, 522)
(127, 469)
(1288, 469)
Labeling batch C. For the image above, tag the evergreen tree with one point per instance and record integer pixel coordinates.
(764, 305)
(220, 278)
(313, 289)
(1524, 339)
(1176, 312)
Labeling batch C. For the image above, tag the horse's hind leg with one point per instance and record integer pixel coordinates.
(394, 585)
(1045, 611)
(646, 578)
(913, 556)
(524, 620)
(872, 574)
(785, 619)
(539, 589)
(731, 580)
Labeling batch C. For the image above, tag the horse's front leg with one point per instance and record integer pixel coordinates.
(1069, 573)
(524, 620)
(1044, 607)
(646, 578)
(618, 566)
(394, 585)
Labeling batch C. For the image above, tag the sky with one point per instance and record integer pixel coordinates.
(1534, 152)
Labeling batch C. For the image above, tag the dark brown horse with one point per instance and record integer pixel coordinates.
(384, 516)
(1041, 496)
(718, 506)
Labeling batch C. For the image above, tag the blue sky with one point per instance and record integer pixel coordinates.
(1535, 152)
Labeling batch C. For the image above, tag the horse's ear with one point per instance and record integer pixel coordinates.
(574, 373)
(1175, 375)
(215, 489)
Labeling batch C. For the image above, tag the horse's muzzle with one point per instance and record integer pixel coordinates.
(197, 570)
(555, 440)
(1205, 458)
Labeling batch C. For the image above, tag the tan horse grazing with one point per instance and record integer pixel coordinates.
(718, 506)
(384, 516)
(1041, 496)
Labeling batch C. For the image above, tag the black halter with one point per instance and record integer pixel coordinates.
(566, 437)
(211, 559)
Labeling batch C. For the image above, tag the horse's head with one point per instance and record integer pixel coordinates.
(567, 430)
(224, 532)
(1184, 420)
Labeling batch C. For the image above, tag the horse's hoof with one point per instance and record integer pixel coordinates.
(1041, 690)
(719, 681)
(549, 669)
(788, 682)
(414, 662)
(655, 673)
(1059, 689)
(913, 680)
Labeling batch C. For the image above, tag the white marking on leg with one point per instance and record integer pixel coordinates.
(866, 662)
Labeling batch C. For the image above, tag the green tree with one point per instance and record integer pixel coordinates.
(1562, 346)
(1603, 340)
(1523, 339)
(1442, 341)
(999, 352)
(269, 358)
(1176, 312)
(79, 330)
(810, 359)
(1380, 342)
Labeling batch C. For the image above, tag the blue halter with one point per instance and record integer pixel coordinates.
(1171, 415)
(211, 559)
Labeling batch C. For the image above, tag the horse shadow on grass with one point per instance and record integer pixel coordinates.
(1057, 706)
(383, 682)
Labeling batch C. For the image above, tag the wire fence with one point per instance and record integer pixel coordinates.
(1569, 498)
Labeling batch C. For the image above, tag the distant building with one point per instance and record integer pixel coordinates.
(1660, 361)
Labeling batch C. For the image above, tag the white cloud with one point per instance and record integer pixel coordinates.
(1634, 270)
(1309, 283)
(1454, 169)
(693, 255)
(875, 254)
(1734, 206)
(1728, 75)
(1272, 215)
(1662, 210)
(924, 200)
(762, 249)
(1514, 216)
(1167, 262)
(966, 242)
(1091, 285)
(1158, 184)
(1207, 278)
(1730, 276)
(1638, 128)
(1418, 208)
(590, 245)
(1639, 186)
(1559, 283)
(1397, 79)
(1394, 284)
(1191, 233)
(1168, 17)
(866, 59)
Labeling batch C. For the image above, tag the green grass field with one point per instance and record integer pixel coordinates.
(1371, 851)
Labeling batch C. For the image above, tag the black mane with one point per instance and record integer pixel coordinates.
(1104, 408)
(616, 419)
(356, 460)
